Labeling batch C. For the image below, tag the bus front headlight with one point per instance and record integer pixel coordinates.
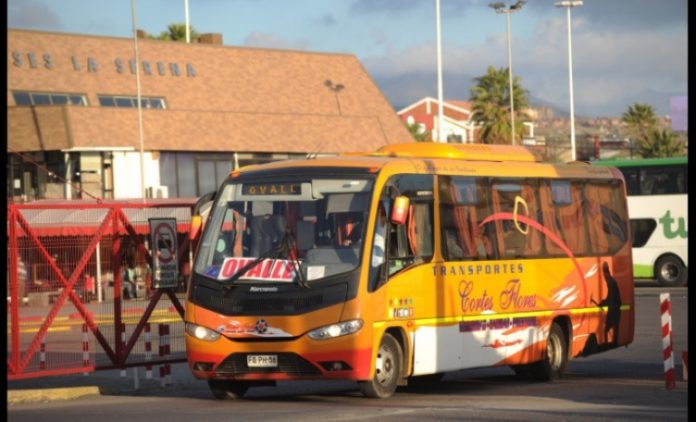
(201, 333)
(336, 330)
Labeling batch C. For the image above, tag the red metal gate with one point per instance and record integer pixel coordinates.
(79, 252)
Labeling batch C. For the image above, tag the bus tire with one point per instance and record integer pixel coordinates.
(227, 390)
(670, 271)
(555, 359)
(388, 364)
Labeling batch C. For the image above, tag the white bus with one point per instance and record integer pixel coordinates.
(657, 208)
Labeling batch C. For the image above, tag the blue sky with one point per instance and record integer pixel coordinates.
(624, 51)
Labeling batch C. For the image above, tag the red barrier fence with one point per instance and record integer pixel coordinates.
(71, 263)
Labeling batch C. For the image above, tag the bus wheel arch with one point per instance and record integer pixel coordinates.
(389, 363)
(406, 356)
(670, 270)
(556, 354)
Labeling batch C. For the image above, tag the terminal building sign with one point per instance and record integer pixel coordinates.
(34, 60)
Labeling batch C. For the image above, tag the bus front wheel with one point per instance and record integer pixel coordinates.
(388, 364)
(670, 271)
(227, 390)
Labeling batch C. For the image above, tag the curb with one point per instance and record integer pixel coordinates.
(49, 394)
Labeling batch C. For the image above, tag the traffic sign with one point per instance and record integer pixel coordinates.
(163, 245)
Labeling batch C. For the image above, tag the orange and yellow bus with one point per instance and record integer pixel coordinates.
(406, 263)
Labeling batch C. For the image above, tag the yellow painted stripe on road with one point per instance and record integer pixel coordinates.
(36, 330)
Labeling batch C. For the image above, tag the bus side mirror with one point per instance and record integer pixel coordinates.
(400, 210)
(196, 218)
(196, 224)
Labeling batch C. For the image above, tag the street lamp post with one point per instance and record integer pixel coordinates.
(499, 7)
(336, 89)
(439, 72)
(568, 4)
(140, 108)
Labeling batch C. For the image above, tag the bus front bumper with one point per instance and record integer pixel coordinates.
(345, 357)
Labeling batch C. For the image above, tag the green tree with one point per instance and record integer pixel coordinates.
(416, 134)
(640, 119)
(491, 106)
(176, 32)
(660, 143)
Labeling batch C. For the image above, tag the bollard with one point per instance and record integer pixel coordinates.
(685, 364)
(123, 342)
(85, 347)
(148, 351)
(668, 356)
(167, 352)
(162, 370)
(42, 355)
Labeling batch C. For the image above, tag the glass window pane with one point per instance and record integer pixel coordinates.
(22, 98)
(642, 229)
(106, 101)
(77, 100)
(206, 177)
(187, 175)
(222, 170)
(157, 103)
(168, 172)
(59, 98)
(124, 102)
(41, 99)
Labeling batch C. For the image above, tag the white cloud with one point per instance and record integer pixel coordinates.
(32, 14)
(609, 68)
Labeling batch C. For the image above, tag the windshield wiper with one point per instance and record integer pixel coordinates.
(229, 283)
(284, 247)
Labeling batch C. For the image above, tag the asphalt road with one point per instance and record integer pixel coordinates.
(622, 384)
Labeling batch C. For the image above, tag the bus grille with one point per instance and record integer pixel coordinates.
(237, 306)
(241, 302)
(288, 363)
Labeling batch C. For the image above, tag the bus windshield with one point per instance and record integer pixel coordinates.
(313, 226)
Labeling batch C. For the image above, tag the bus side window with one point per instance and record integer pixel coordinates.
(515, 238)
(463, 206)
(563, 214)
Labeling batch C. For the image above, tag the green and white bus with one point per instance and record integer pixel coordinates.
(657, 208)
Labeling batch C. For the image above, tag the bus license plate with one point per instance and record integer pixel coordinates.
(262, 361)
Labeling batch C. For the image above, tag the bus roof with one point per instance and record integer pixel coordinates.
(641, 162)
(469, 152)
(429, 157)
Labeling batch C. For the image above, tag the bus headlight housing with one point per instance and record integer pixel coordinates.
(336, 330)
(201, 333)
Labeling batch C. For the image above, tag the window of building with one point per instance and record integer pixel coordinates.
(131, 101)
(48, 98)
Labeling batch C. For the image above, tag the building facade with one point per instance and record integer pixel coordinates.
(457, 123)
(206, 108)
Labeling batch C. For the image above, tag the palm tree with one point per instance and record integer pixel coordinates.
(176, 32)
(640, 119)
(660, 144)
(491, 105)
(416, 134)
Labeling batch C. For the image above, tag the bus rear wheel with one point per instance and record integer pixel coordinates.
(227, 390)
(388, 364)
(555, 359)
(670, 271)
